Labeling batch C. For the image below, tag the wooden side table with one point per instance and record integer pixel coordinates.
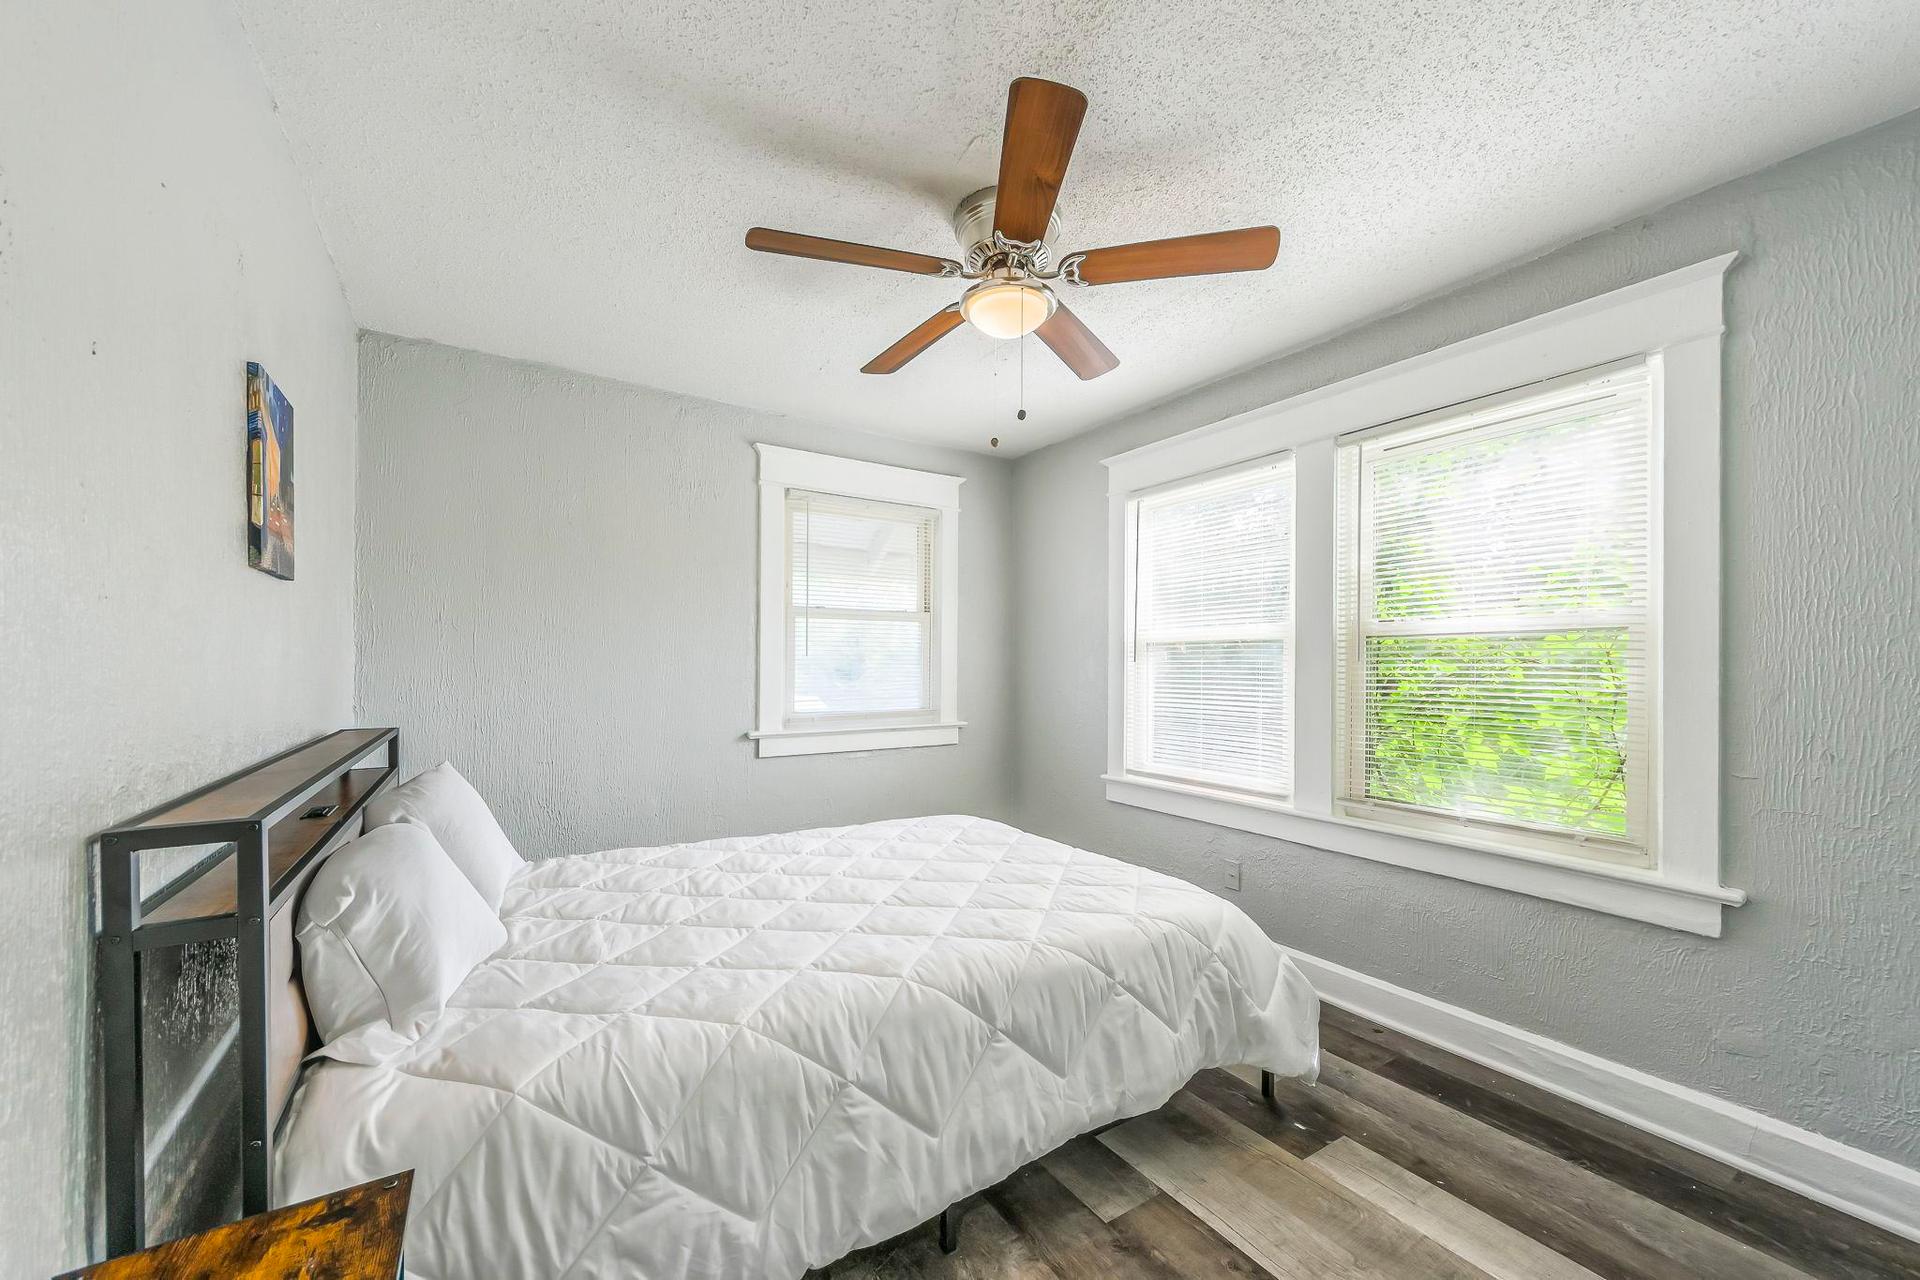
(349, 1235)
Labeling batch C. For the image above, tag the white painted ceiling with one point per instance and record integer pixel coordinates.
(569, 181)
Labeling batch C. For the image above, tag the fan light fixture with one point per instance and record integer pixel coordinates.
(1007, 308)
(1007, 234)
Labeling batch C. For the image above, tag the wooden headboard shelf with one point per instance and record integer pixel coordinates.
(266, 791)
(268, 838)
(206, 905)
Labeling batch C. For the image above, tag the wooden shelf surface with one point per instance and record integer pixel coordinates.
(290, 845)
(353, 1234)
(255, 793)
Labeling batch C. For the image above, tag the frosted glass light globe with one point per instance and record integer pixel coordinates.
(1007, 308)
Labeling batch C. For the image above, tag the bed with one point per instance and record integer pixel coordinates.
(746, 1057)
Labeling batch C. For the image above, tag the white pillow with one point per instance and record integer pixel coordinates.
(388, 928)
(446, 804)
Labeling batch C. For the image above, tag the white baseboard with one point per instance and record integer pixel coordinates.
(1867, 1186)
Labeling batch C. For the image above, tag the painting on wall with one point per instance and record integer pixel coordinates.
(269, 475)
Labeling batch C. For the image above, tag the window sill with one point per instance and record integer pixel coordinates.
(814, 742)
(1621, 891)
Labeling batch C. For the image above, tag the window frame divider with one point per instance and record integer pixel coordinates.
(1315, 650)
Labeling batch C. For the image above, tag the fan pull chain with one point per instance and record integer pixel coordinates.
(1022, 415)
(1020, 410)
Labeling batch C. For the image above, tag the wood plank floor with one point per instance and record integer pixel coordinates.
(1403, 1163)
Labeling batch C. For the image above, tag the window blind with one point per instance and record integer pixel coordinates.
(1209, 662)
(1496, 619)
(860, 608)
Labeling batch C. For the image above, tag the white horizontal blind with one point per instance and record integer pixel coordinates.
(1496, 624)
(1209, 698)
(860, 609)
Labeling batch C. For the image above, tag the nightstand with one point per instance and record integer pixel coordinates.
(349, 1235)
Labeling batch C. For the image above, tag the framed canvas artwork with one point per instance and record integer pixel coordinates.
(269, 475)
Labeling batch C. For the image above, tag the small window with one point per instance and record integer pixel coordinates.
(859, 628)
(1209, 659)
(1495, 652)
(860, 609)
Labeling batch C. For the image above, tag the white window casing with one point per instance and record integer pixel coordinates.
(859, 605)
(1625, 385)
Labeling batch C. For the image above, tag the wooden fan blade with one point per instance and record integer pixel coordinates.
(1076, 346)
(925, 334)
(795, 245)
(1043, 119)
(1248, 249)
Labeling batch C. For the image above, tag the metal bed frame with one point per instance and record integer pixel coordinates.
(948, 1223)
(273, 822)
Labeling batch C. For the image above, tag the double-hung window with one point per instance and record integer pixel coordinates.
(1496, 627)
(1460, 614)
(1209, 652)
(858, 605)
(859, 610)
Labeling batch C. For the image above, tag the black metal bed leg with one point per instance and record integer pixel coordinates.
(123, 1101)
(1266, 1093)
(256, 1125)
(950, 1228)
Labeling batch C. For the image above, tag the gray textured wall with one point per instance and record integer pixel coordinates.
(1809, 1008)
(557, 592)
(153, 238)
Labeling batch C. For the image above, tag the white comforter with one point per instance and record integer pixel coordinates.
(744, 1057)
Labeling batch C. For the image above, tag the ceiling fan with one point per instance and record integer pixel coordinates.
(1007, 232)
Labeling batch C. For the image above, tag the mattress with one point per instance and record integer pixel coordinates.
(748, 1056)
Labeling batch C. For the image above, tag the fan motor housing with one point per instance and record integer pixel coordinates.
(973, 228)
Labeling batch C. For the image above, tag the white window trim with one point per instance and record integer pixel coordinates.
(1679, 315)
(783, 469)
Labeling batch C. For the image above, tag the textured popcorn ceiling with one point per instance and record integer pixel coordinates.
(569, 181)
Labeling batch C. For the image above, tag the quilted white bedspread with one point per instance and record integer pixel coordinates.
(744, 1057)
